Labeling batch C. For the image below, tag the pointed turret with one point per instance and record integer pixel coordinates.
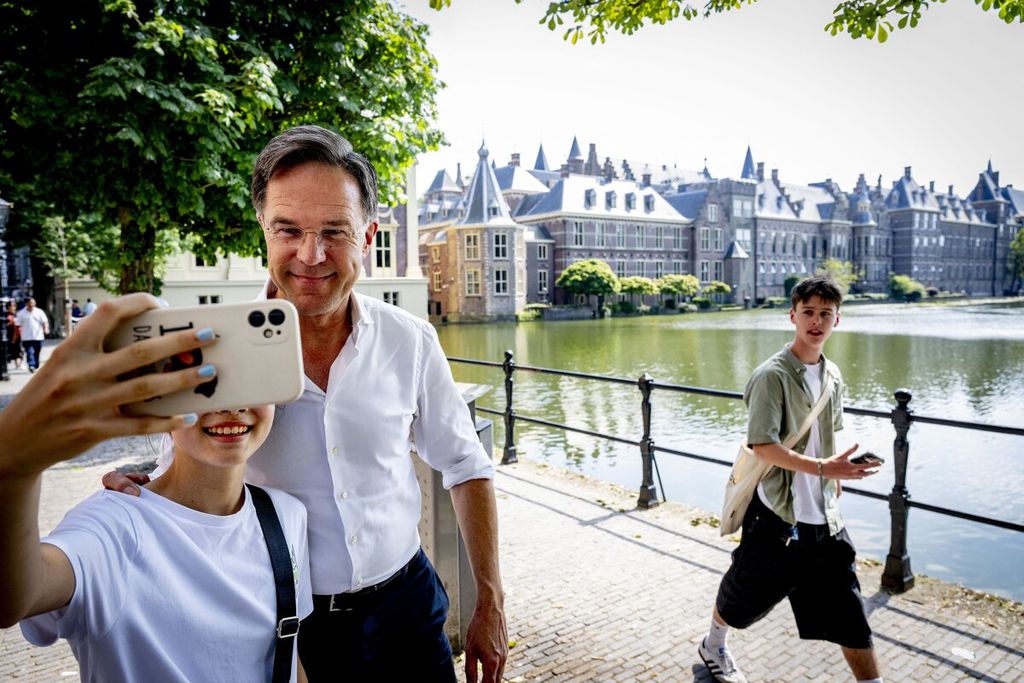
(574, 151)
(484, 202)
(749, 172)
(542, 161)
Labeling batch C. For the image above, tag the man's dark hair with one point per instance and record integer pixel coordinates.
(306, 144)
(821, 286)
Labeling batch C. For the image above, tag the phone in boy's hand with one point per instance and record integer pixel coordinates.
(867, 458)
(258, 356)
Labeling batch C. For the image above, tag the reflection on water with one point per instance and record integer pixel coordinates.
(964, 363)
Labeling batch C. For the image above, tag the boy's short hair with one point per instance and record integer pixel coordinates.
(822, 286)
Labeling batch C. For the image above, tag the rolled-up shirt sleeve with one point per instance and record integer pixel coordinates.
(443, 430)
(764, 399)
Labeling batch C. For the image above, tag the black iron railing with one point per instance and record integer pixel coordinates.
(897, 576)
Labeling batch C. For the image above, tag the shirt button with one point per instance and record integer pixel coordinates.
(344, 495)
(334, 450)
(352, 539)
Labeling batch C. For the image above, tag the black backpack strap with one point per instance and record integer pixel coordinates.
(284, 579)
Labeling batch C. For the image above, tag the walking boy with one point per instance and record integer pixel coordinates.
(794, 544)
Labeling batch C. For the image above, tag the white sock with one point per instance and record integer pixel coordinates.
(870, 680)
(717, 634)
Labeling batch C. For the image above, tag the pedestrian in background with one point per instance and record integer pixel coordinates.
(34, 327)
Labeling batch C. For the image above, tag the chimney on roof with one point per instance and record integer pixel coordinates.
(760, 171)
(646, 179)
(515, 159)
(951, 190)
(906, 172)
(775, 174)
(564, 171)
(931, 186)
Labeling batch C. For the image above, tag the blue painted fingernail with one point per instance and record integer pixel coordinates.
(207, 371)
(190, 419)
(205, 334)
(164, 303)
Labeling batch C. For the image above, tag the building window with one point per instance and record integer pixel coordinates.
(717, 270)
(501, 245)
(659, 269)
(542, 281)
(437, 280)
(677, 267)
(472, 283)
(649, 202)
(712, 213)
(601, 228)
(542, 252)
(209, 299)
(609, 199)
(677, 237)
(577, 234)
(704, 271)
(589, 199)
(620, 235)
(640, 236)
(705, 239)
(435, 254)
(659, 237)
(640, 269)
(204, 263)
(501, 281)
(620, 269)
(630, 201)
(719, 240)
(391, 298)
(472, 242)
(382, 248)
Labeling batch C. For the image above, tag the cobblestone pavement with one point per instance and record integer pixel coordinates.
(599, 591)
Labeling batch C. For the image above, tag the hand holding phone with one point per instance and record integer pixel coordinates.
(258, 356)
(868, 458)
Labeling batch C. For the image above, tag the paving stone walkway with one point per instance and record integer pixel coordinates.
(599, 591)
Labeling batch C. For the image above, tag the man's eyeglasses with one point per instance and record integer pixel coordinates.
(328, 238)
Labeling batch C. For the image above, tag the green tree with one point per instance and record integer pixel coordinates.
(716, 287)
(638, 285)
(870, 19)
(905, 288)
(145, 116)
(590, 277)
(1017, 262)
(682, 286)
(789, 283)
(840, 271)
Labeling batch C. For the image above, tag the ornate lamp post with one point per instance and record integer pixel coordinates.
(5, 212)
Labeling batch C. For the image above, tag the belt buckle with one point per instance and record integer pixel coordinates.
(331, 607)
(288, 627)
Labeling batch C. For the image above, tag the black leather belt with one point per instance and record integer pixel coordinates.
(346, 602)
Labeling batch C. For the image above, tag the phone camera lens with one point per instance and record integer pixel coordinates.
(256, 318)
(267, 334)
(276, 316)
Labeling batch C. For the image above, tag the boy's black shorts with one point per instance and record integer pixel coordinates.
(815, 572)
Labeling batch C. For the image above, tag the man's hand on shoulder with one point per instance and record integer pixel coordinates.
(487, 642)
(128, 483)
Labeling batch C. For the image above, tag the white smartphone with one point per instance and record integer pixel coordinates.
(258, 356)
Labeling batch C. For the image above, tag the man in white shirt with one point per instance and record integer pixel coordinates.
(34, 327)
(377, 385)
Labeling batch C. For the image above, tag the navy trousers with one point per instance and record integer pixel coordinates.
(33, 349)
(394, 633)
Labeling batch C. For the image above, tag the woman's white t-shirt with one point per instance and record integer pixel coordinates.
(166, 593)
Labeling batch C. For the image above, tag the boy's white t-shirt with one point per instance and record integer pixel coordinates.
(167, 593)
(808, 499)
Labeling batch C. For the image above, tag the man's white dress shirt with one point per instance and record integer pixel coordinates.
(345, 453)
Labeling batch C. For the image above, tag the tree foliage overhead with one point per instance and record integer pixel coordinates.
(683, 286)
(638, 284)
(144, 117)
(871, 19)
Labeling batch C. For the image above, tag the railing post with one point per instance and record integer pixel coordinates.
(508, 456)
(897, 577)
(648, 494)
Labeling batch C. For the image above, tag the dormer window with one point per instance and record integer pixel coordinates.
(589, 199)
(648, 202)
(630, 201)
(609, 199)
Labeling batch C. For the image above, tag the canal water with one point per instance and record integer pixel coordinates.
(959, 362)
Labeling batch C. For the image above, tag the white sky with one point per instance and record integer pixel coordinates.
(942, 98)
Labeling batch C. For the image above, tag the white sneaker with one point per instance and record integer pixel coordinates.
(720, 664)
